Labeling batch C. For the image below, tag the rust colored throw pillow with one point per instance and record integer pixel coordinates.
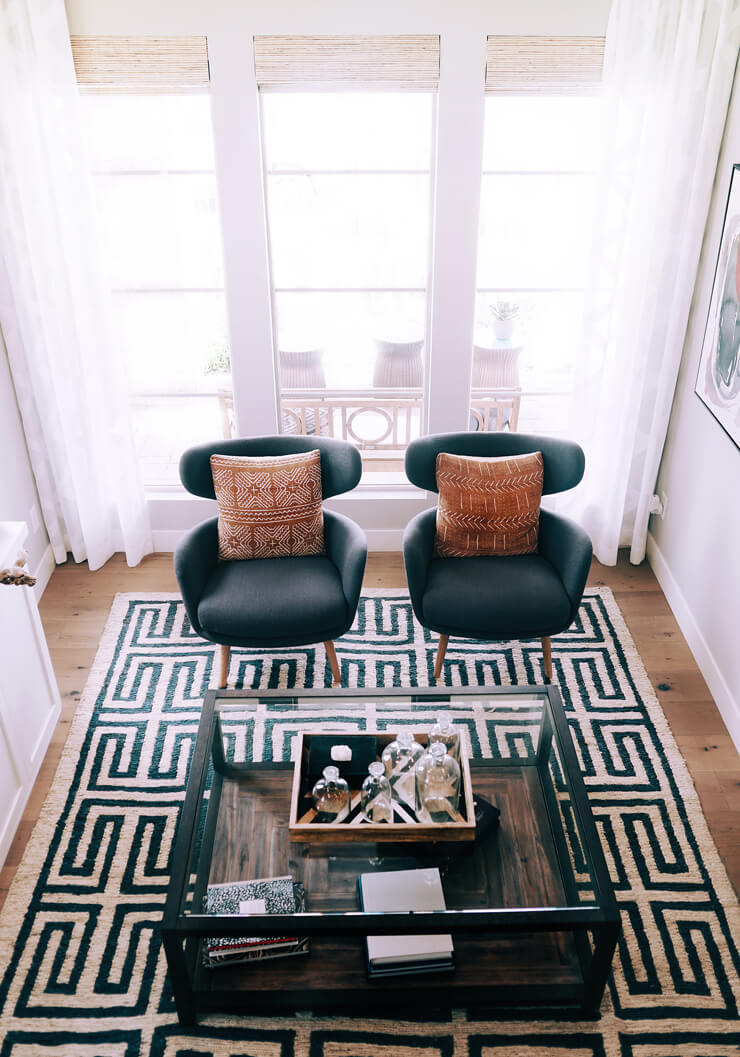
(268, 506)
(488, 506)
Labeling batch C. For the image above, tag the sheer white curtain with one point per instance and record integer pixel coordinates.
(668, 75)
(54, 312)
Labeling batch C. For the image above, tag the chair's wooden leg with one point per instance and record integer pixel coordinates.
(331, 653)
(547, 658)
(224, 676)
(439, 659)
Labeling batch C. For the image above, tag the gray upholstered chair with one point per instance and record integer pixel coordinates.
(271, 603)
(493, 598)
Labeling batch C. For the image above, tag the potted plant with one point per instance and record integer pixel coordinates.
(504, 315)
(219, 361)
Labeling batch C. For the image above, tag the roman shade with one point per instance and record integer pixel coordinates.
(352, 63)
(543, 65)
(129, 64)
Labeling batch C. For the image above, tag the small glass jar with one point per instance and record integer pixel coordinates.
(437, 785)
(399, 759)
(401, 755)
(331, 795)
(376, 795)
(444, 731)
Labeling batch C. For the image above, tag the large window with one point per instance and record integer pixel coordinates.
(341, 133)
(153, 167)
(348, 180)
(348, 210)
(540, 151)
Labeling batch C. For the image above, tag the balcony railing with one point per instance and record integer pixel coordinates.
(381, 422)
(377, 419)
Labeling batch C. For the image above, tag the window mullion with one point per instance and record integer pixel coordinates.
(236, 131)
(459, 163)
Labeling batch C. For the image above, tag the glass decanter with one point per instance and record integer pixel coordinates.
(444, 731)
(437, 785)
(376, 795)
(399, 758)
(331, 795)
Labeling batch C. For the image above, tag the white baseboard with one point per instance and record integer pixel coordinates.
(728, 705)
(384, 540)
(165, 540)
(43, 572)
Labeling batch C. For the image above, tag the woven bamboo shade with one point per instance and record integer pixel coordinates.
(551, 65)
(348, 63)
(125, 64)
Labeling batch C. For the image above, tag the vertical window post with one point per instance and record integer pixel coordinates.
(456, 205)
(236, 133)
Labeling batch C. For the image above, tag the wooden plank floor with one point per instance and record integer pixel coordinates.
(76, 603)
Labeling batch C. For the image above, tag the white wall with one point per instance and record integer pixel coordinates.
(695, 550)
(18, 496)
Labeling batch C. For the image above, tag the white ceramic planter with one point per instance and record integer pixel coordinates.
(503, 328)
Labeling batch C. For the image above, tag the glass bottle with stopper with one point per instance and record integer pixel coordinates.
(399, 758)
(444, 731)
(376, 795)
(437, 785)
(331, 795)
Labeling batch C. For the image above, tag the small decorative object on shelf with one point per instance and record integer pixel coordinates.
(437, 785)
(18, 574)
(444, 731)
(504, 315)
(331, 796)
(376, 795)
(399, 759)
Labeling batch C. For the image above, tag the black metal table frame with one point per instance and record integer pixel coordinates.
(181, 933)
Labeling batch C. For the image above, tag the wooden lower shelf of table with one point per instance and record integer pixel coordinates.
(516, 866)
(489, 971)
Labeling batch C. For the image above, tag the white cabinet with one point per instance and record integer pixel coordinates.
(29, 697)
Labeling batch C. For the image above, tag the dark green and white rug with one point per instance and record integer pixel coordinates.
(81, 969)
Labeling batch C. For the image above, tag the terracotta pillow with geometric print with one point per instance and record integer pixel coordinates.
(488, 506)
(269, 506)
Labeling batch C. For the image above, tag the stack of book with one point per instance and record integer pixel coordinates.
(268, 895)
(404, 890)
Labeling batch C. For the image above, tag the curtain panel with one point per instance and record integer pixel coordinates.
(668, 74)
(55, 313)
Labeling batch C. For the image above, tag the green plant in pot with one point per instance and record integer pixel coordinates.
(219, 362)
(504, 315)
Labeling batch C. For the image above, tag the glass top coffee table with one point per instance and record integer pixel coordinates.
(530, 906)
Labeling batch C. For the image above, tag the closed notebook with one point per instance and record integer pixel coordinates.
(401, 890)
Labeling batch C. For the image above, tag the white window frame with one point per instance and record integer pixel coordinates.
(230, 29)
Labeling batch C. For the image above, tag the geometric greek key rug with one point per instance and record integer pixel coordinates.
(82, 972)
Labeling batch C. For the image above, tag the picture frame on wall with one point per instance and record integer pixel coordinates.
(718, 378)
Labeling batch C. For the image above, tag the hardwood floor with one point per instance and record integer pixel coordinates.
(76, 602)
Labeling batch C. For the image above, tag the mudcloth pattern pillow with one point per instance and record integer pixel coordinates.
(488, 506)
(268, 506)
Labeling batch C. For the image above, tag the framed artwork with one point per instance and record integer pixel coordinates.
(718, 380)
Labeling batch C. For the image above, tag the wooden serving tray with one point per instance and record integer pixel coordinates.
(302, 824)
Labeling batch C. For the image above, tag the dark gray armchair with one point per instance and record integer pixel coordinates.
(522, 597)
(270, 603)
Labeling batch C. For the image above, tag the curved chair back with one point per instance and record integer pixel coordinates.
(563, 460)
(341, 465)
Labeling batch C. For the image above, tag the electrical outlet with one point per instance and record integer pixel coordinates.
(664, 505)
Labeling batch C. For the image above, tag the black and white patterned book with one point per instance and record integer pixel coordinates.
(268, 895)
